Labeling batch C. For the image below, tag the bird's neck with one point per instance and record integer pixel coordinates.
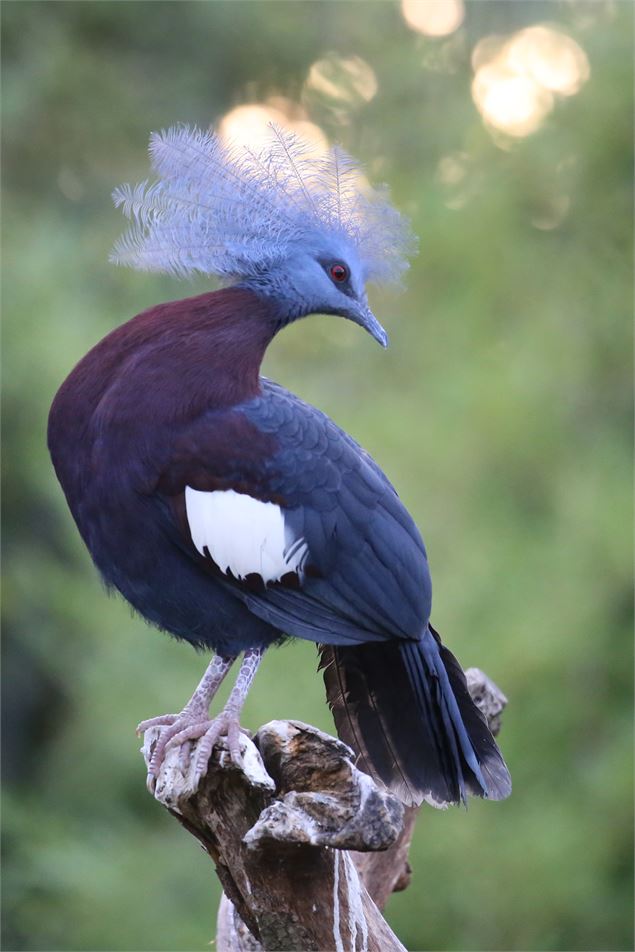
(202, 351)
(216, 342)
(172, 362)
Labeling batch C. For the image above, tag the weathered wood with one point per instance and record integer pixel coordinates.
(279, 831)
(487, 696)
(389, 872)
(308, 849)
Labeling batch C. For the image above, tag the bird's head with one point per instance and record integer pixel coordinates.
(305, 231)
(319, 280)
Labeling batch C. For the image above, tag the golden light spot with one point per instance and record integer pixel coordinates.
(452, 168)
(433, 17)
(515, 104)
(487, 50)
(516, 80)
(452, 172)
(553, 59)
(249, 125)
(552, 214)
(347, 80)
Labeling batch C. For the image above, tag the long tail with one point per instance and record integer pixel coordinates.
(405, 710)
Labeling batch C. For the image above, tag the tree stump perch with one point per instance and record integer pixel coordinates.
(308, 848)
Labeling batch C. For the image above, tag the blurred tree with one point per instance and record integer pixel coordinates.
(511, 364)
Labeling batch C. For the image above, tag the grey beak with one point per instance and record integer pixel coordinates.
(369, 322)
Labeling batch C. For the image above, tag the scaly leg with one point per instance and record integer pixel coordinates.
(195, 711)
(227, 722)
(194, 723)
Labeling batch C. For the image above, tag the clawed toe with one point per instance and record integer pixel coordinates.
(192, 731)
(192, 728)
(184, 731)
(163, 720)
(233, 742)
(225, 725)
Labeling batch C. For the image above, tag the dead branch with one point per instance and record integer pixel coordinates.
(307, 848)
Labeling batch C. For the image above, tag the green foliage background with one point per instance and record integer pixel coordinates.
(502, 412)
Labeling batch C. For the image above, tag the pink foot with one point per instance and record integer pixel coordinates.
(181, 729)
(161, 721)
(194, 724)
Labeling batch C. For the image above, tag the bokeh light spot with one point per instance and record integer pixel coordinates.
(516, 80)
(452, 168)
(348, 80)
(249, 125)
(553, 213)
(552, 59)
(433, 17)
(512, 103)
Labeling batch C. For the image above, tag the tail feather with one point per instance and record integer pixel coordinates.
(360, 717)
(495, 778)
(406, 711)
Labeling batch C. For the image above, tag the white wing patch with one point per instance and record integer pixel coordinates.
(243, 535)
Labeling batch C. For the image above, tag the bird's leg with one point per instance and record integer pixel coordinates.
(196, 711)
(194, 723)
(202, 697)
(226, 723)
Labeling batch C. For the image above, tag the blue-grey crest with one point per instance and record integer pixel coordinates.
(227, 210)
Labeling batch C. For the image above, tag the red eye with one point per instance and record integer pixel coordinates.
(339, 272)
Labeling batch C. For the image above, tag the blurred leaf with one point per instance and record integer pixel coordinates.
(502, 412)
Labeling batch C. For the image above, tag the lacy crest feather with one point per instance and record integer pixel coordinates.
(233, 212)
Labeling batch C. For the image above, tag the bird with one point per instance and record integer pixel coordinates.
(230, 513)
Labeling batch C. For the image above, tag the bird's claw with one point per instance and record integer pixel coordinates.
(162, 720)
(183, 729)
